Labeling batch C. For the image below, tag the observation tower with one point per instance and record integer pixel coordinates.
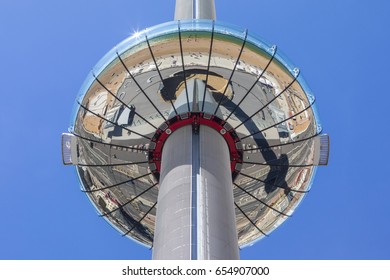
(195, 137)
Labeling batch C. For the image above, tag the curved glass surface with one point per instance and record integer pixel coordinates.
(132, 91)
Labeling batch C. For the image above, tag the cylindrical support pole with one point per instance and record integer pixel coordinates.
(195, 211)
(195, 9)
(217, 230)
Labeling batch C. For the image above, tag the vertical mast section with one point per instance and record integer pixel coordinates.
(195, 216)
(195, 9)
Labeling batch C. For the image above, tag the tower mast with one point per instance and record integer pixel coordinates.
(195, 9)
(195, 217)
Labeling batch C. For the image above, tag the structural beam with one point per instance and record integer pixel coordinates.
(195, 9)
(195, 217)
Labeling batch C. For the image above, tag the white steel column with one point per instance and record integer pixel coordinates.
(195, 211)
(195, 9)
(172, 237)
(217, 232)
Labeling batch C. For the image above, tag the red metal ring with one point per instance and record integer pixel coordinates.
(195, 119)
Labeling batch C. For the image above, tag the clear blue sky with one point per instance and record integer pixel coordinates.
(47, 49)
